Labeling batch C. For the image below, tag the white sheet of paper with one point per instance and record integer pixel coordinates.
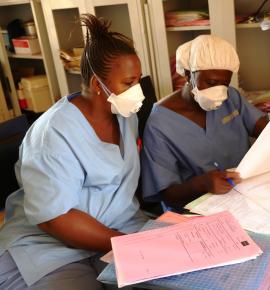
(107, 258)
(249, 214)
(257, 190)
(257, 159)
(249, 201)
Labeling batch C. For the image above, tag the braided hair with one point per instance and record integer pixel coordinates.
(101, 48)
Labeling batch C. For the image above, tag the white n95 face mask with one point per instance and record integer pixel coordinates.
(126, 103)
(211, 98)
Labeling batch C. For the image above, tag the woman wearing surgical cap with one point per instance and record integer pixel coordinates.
(204, 125)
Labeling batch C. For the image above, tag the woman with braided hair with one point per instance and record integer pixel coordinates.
(78, 169)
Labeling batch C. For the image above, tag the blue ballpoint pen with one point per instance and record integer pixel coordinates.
(230, 181)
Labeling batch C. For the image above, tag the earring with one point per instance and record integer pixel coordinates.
(98, 93)
(188, 84)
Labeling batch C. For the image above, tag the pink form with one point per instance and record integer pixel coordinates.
(195, 244)
(175, 218)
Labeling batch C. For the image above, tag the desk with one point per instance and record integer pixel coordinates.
(250, 275)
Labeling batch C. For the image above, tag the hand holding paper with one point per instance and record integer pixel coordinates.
(249, 201)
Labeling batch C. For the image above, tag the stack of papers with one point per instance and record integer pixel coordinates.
(186, 18)
(194, 244)
(249, 201)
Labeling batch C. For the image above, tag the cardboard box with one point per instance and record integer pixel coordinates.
(36, 92)
(34, 82)
(26, 45)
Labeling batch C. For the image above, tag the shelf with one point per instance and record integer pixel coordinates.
(25, 56)
(188, 28)
(256, 97)
(73, 72)
(248, 25)
(14, 2)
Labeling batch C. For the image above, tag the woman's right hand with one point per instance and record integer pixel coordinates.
(217, 181)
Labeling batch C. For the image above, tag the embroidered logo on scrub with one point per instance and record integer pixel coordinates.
(228, 118)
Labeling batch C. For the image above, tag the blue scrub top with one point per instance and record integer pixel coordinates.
(176, 149)
(63, 165)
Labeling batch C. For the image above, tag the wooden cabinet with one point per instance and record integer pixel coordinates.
(144, 22)
(253, 46)
(251, 43)
(65, 32)
(9, 105)
(167, 39)
(128, 17)
(42, 63)
(62, 20)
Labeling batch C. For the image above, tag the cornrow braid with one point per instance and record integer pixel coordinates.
(101, 48)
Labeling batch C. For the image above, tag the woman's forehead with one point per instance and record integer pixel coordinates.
(215, 73)
(126, 63)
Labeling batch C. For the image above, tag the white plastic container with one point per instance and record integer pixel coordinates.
(37, 93)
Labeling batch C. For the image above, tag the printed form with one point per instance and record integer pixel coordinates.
(250, 215)
(200, 243)
(167, 217)
(248, 201)
(257, 189)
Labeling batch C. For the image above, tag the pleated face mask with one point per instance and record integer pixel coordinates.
(211, 98)
(126, 103)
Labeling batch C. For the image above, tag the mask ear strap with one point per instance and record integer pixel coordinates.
(192, 79)
(106, 90)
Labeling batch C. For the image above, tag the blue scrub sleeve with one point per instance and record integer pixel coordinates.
(51, 184)
(159, 167)
(250, 114)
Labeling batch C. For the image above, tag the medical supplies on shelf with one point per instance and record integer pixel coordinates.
(186, 18)
(36, 92)
(26, 45)
(260, 99)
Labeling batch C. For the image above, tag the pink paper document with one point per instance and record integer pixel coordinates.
(172, 218)
(167, 217)
(175, 218)
(195, 244)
